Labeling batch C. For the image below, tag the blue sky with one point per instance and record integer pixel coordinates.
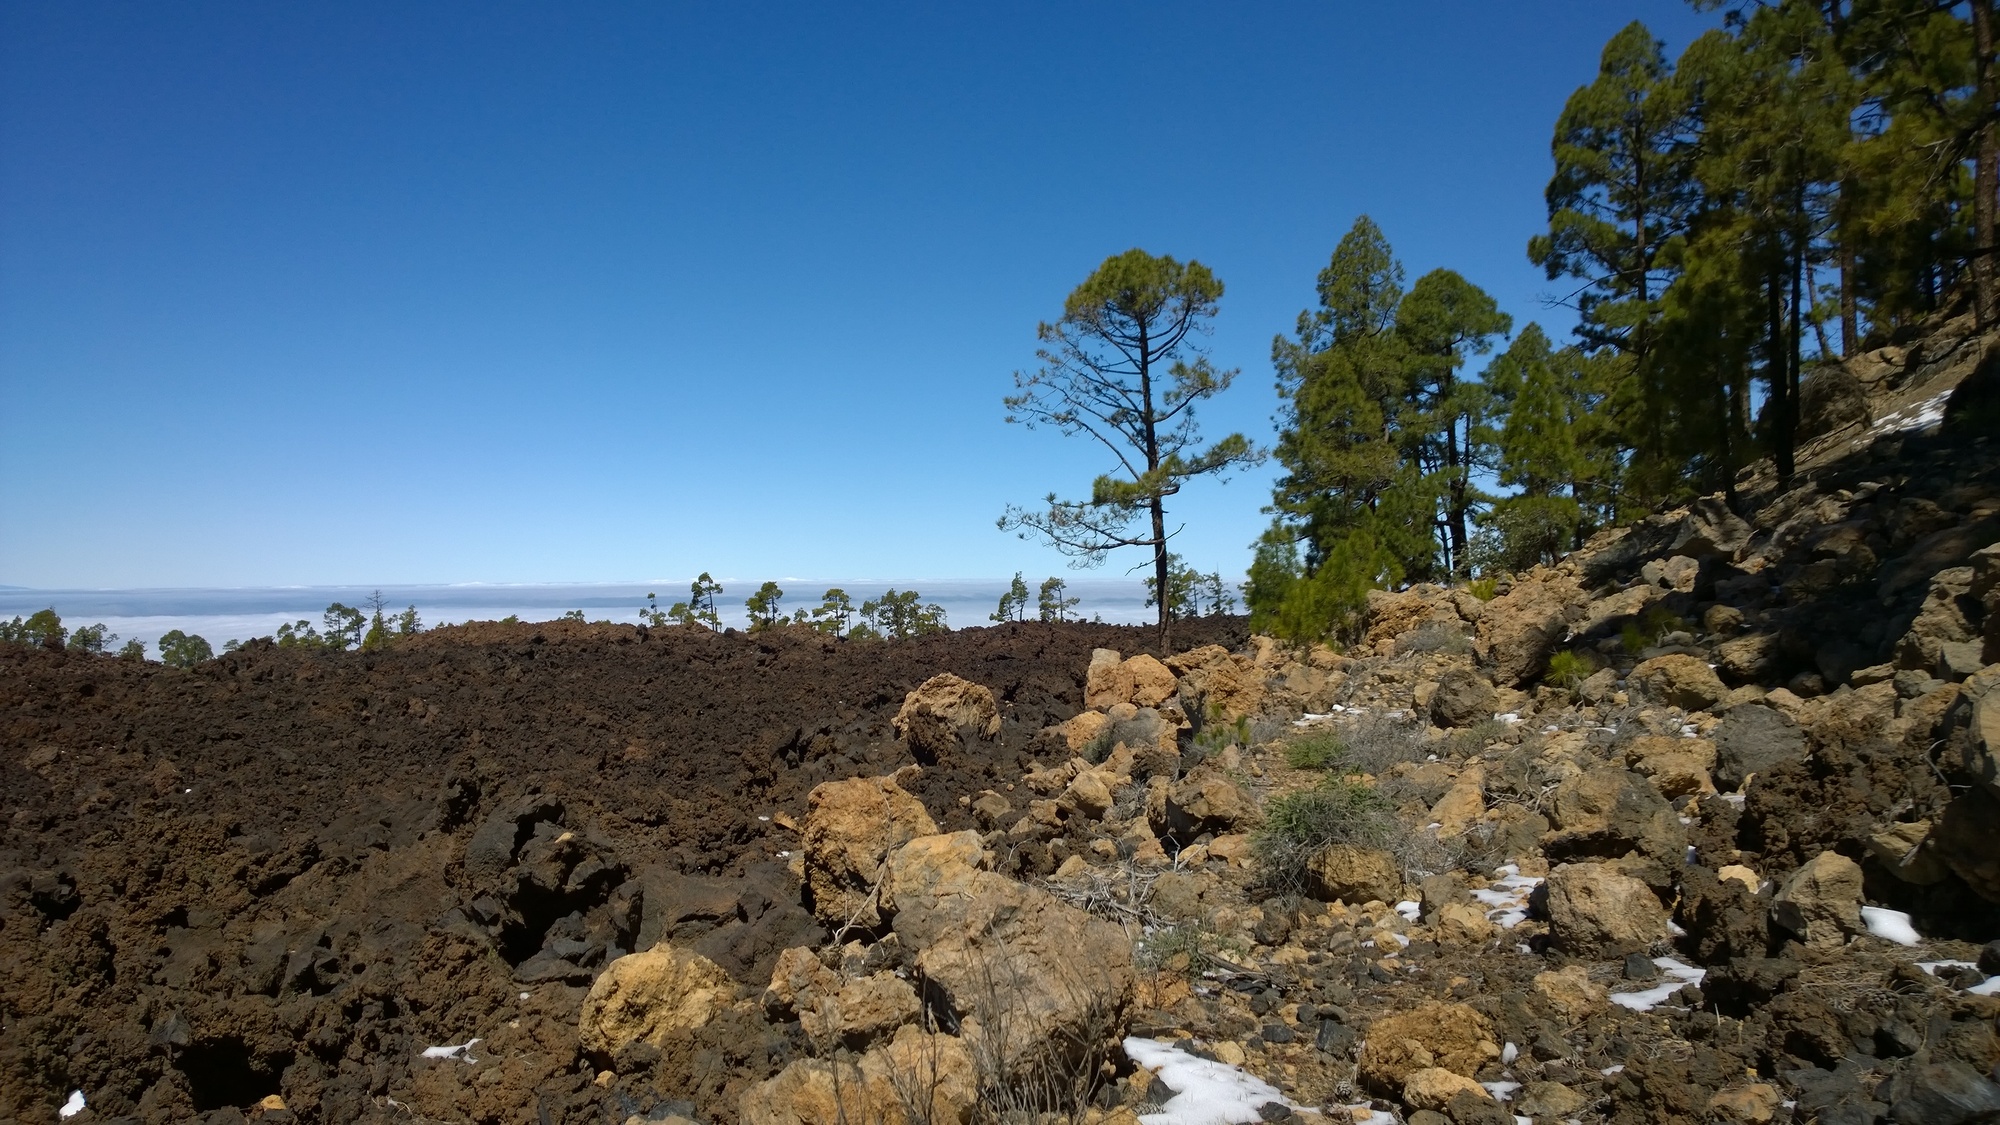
(411, 293)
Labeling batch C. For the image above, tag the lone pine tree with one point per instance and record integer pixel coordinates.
(1120, 366)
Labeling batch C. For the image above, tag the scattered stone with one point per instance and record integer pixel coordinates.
(1354, 875)
(1452, 1036)
(1594, 910)
(1463, 697)
(648, 996)
(936, 719)
(1678, 680)
(1821, 902)
(851, 827)
(1751, 1103)
(1570, 991)
(1433, 1087)
(1754, 740)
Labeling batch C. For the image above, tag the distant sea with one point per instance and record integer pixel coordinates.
(222, 615)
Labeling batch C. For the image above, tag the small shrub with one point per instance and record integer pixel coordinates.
(1163, 950)
(1473, 739)
(1317, 751)
(1377, 742)
(1434, 638)
(1568, 669)
(1298, 826)
(1099, 748)
(1655, 623)
(1484, 588)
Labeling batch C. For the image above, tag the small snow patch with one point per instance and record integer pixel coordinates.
(1410, 910)
(1508, 896)
(1890, 925)
(1508, 717)
(1917, 416)
(1508, 1054)
(1678, 976)
(1614, 1068)
(1932, 967)
(1737, 799)
(1501, 1091)
(1989, 987)
(1210, 1093)
(74, 1105)
(1365, 1114)
(460, 1051)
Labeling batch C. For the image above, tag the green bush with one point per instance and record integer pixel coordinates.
(1202, 947)
(1484, 588)
(1318, 751)
(1298, 826)
(1568, 669)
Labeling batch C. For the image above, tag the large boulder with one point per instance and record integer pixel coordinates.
(1679, 680)
(1594, 911)
(851, 826)
(1141, 681)
(1754, 740)
(1452, 1037)
(1608, 813)
(650, 996)
(918, 1078)
(1520, 629)
(1216, 684)
(1206, 802)
(936, 718)
(1821, 902)
(1345, 873)
(1463, 697)
(1034, 980)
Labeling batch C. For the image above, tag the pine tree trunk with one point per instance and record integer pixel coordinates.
(1850, 313)
(1160, 572)
(1776, 370)
(1985, 170)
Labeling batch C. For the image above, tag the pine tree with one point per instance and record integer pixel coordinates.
(1053, 604)
(1442, 320)
(1013, 603)
(1551, 448)
(763, 607)
(1121, 366)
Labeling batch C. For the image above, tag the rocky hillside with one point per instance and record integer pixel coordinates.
(1701, 824)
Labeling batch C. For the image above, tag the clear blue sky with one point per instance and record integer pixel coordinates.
(402, 293)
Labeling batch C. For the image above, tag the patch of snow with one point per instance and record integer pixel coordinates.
(1508, 1054)
(1932, 967)
(1923, 415)
(460, 1051)
(1410, 910)
(1507, 717)
(1688, 729)
(1508, 896)
(1364, 1114)
(1678, 976)
(1890, 925)
(1736, 799)
(1674, 928)
(763, 818)
(1396, 714)
(73, 1106)
(1209, 1093)
(1690, 855)
(1309, 718)
(1501, 1091)
(1614, 1068)
(1430, 758)
(524, 996)
(1989, 987)
(1550, 729)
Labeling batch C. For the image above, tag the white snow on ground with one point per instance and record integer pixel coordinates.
(460, 1051)
(1677, 975)
(1890, 925)
(1208, 1093)
(1410, 910)
(1990, 987)
(1365, 1114)
(1501, 1091)
(1916, 416)
(1932, 967)
(1508, 896)
(74, 1105)
(1508, 717)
